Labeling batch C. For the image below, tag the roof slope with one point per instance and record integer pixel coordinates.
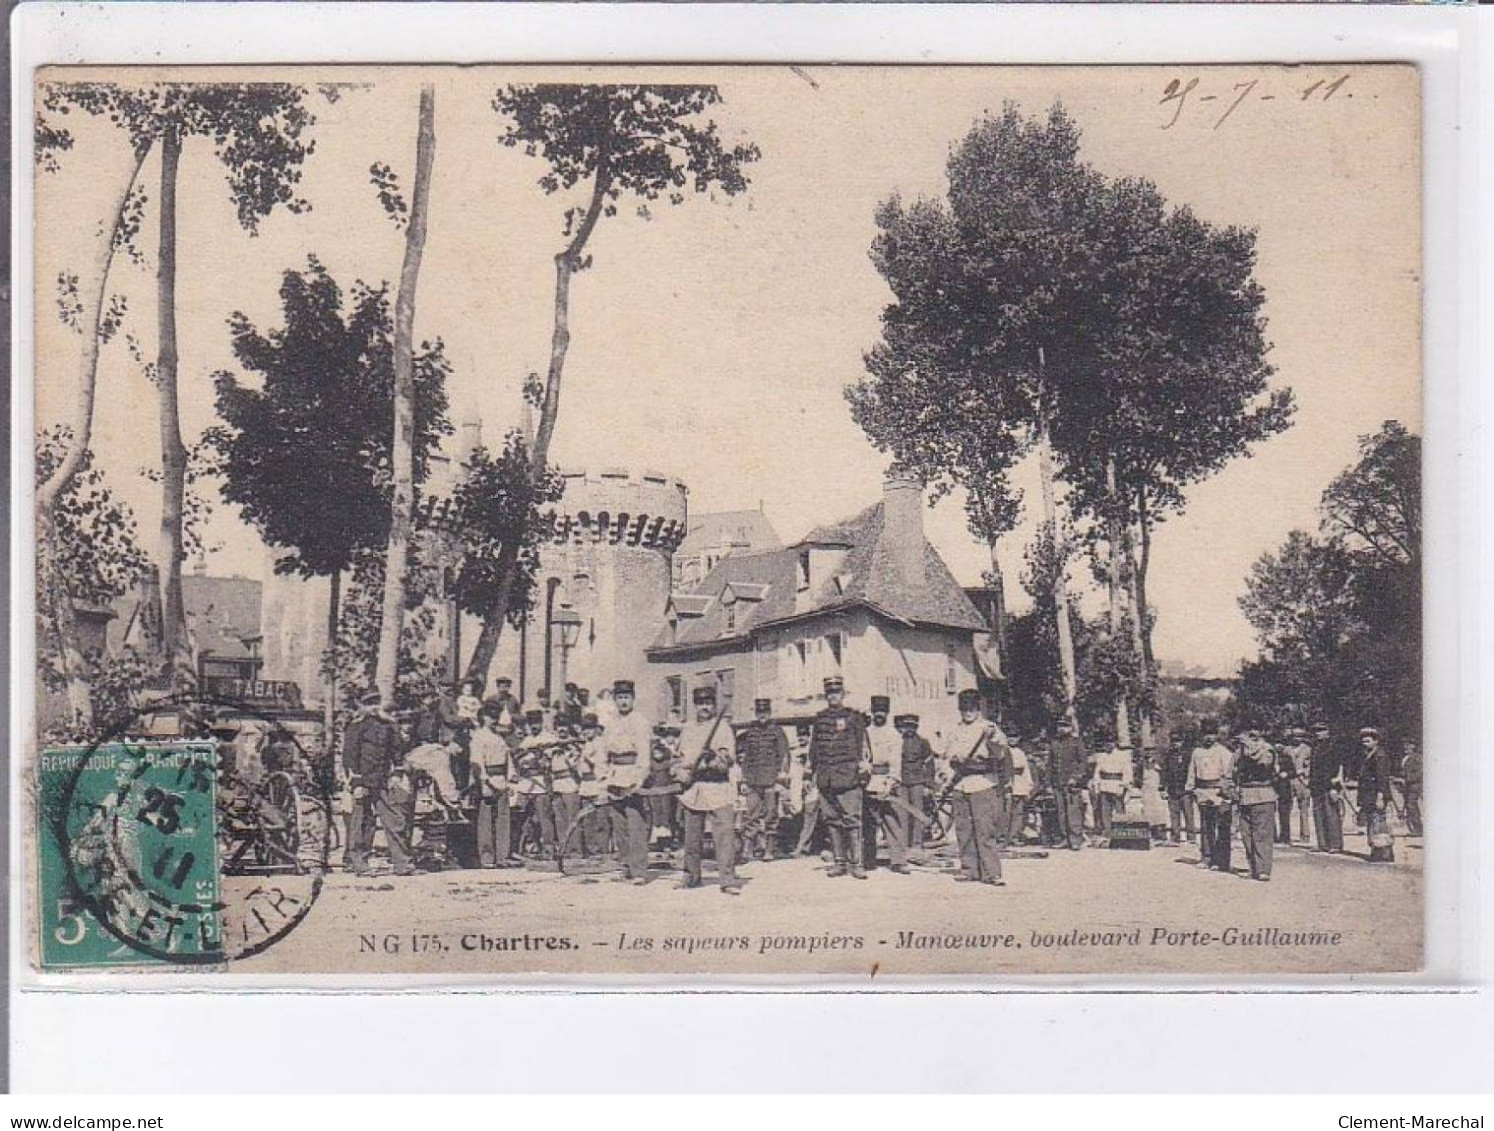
(719, 528)
(223, 613)
(868, 577)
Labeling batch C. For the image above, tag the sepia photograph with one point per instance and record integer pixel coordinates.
(742, 521)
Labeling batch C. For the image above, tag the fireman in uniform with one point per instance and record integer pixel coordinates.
(915, 778)
(1111, 783)
(707, 771)
(763, 757)
(491, 763)
(531, 796)
(978, 756)
(625, 749)
(1253, 786)
(371, 751)
(1067, 768)
(594, 832)
(1207, 772)
(838, 757)
(885, 742)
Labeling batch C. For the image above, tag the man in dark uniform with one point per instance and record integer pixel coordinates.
(503, 699)
(1411, 785)
(1068, 773)
(371, 750)
(838, 757)
(916, 780)
(1325, 784)
(1374, 796)
(762, 755)
(1254, 787)
(1285, 777)
(1182, 813)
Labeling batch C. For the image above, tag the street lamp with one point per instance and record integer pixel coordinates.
(569, 624)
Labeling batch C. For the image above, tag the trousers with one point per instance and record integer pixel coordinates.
(1016, 820)
(1329, 821)
(1182, 813)
(629, 819)
(545, 816)
(1070, 802)
(1214, 834)
(915, 797)
(893, 823)
(564, 808)
(661, 811)
(809, 823)
(1257, 829)
(385, 808)
(841, 812)
(596, 832)
(1108, 804)
(1413, 810)
(723, 833)
(1304, 810)
(760, 821)
(493, 832)
(978, 826)
(1285, 803)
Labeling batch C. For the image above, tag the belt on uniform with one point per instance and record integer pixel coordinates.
(881, 767)
(1110, 777)
(625, 758)
(1206, 783)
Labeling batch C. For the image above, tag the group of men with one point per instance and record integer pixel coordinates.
(1262, 785)
(594, 781)
(588, 780)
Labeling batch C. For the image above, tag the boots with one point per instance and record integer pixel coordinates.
(857, 849)
(838, 850)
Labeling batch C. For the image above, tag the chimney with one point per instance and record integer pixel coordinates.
(902, 527)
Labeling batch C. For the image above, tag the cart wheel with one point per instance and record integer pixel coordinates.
(941, 822)
(283, 840)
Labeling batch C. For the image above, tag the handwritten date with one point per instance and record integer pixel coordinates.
(1180, 94)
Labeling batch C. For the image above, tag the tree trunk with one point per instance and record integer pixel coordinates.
(403, 454)
(1138, 614)
(1113, 585)
(1050, 517)
(998, 583)
(567, 263)
(65, 472)
(329, 670)
(1144, 521)
(53, 594)
(56, 605)
(173, 452)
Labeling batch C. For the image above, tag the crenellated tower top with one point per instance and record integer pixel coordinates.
(619, 507)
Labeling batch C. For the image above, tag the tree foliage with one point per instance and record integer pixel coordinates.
(648, 141)
(306, 449)
(98, 551)
(1337, 616)
(645, 141)
(257, 130)
(497, 504)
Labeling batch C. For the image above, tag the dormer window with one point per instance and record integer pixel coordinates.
(803, 570)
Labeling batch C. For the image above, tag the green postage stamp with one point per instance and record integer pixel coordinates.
(128, 855)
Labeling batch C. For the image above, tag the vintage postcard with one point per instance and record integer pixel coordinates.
(885, 521)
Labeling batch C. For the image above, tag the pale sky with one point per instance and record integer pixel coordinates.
(713, 342)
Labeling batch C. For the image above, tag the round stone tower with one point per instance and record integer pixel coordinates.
(610, 565)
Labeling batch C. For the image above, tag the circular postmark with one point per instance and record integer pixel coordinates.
(192, 849)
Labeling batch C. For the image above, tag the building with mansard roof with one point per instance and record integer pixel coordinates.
(866, 598)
